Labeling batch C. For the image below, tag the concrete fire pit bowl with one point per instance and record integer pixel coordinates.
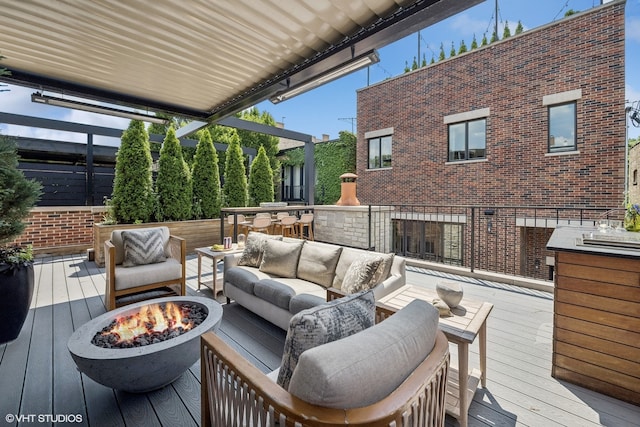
(146, 368)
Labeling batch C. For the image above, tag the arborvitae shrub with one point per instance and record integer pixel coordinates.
(132, 199)
(260, 179)
(174, 181)
(235, 179)
(205, 177)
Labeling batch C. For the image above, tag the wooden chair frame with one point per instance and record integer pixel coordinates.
(235, 393)
(177, 250)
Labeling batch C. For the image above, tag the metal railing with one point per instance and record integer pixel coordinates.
(500, 239)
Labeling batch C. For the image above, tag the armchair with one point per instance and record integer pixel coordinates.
(236, 393)
(154, 261)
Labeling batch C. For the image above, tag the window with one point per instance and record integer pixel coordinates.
(468, 140)
(562, 127)
(380, 152)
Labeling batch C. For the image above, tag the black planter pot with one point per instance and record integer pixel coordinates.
(16, 291)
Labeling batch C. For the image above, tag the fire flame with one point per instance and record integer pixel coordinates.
(151, 318)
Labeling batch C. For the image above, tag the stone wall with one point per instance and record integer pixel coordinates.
(349, 226)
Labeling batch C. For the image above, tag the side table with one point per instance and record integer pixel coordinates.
(468, 321)
(215, 256)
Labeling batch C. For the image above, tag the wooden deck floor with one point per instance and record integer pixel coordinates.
(39, 381)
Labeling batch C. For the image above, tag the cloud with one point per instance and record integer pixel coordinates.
(466, 25)
(632, 29)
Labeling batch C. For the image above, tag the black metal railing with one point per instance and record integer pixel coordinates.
(501, 239)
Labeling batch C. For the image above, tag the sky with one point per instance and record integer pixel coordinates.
(331, 108)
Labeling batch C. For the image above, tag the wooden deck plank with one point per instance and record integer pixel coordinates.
(520, 390)
(38, 381)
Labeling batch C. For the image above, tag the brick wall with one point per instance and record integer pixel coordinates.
(61, 229)
(510, 77)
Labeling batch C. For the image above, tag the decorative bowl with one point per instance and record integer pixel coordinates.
(450, 292)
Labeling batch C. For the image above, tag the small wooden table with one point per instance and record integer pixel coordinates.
(216, 283)
(468, 321)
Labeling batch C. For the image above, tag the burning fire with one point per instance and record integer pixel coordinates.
(151, 319)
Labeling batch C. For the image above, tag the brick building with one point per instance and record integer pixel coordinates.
(511, 85)
(536, 119)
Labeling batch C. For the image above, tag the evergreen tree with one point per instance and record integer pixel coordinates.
(17, 193)
(256, 140)
(174, 181)
(494, 37)
(206, 178)
(570, 12)
(132, 199)
(463, 47)
(484, 40)
(519, 28)
(406, 67)
(442, 54)
(474, 43)
(452, 52)
(433, 59)
(260, 184)
(506, 32)
(424, 61)
(414, 64)
(234, 188)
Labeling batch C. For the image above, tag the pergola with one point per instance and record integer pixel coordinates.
(198, 59)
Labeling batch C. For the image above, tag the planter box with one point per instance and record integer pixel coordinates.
(198, 233)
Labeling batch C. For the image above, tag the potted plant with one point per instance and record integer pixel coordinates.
(17, 196)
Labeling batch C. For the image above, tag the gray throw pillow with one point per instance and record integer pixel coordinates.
(253, 249)
(322, 324)
(281, 258)
(318, 263)
(361, 274)
(143, 247)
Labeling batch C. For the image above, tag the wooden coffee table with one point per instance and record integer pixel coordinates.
(469, 321)
(207, 252)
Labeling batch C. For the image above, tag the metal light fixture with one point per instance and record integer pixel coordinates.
(355, 64)
(93, 108)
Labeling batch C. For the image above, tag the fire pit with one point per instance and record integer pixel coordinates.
(144, 360)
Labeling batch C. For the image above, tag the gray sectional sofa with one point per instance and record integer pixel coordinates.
(277, 277)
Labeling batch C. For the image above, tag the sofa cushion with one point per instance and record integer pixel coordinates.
(360, 274)
(127, 278)
(243, 278)
(318, 263)
(322, 324)
(253, 249)
(143, 246)
(281, 258)
(274, 292)
(366, 367)
(303, 301)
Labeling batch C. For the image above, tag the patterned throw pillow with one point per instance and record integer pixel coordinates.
(143, 247)
(322, 324)
(360, 274)
(384, 269)
(253, 248)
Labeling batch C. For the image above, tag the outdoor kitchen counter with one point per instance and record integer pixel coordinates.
(596, 326)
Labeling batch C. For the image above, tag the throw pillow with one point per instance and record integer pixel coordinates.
(360, 274)
(384, 269)
(253, 248)
(318, 263)
(281, 258)
(143, 247)
(322, 324)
